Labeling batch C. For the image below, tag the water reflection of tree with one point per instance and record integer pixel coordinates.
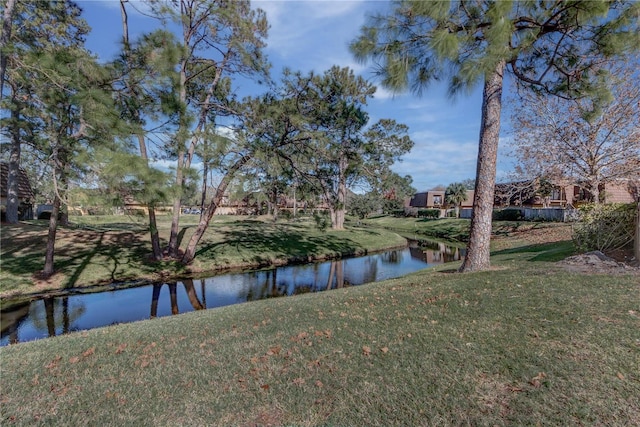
(10, 321)
(265, 285)
(54, 312)
(370, 272)
(392, 257)
(173, 296)
(336, 275)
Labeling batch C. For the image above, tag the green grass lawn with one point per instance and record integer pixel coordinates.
(103, 250)
(456, 230)
(526, 343)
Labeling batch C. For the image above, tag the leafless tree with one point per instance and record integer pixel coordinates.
(572, 140)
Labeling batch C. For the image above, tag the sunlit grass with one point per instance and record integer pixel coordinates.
(101, 250)
(524, 344)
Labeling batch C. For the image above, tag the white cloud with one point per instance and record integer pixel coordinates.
(313, 34)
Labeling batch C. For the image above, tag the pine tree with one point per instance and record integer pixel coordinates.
(41, 26)
(144, 90)
(218, 38)
(550, 46)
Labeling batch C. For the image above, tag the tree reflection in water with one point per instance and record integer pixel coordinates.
(49, 314)
(55, 315)
(173, 296)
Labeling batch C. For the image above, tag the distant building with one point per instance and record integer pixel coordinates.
(26, 197)
(562, 195)
(526, 194)
(435, 199)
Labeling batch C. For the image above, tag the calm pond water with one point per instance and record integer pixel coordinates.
(53, 316)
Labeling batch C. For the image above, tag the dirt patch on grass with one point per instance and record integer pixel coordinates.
(597, 262)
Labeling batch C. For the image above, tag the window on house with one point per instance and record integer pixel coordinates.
(437, 200)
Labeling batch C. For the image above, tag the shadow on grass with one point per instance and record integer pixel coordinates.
(108, 253)
(548, 252)
(285, 242)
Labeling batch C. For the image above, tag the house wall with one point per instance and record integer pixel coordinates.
(617, 193)
(429, 199)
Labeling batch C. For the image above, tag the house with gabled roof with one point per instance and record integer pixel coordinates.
(435, 199)
(26, 196)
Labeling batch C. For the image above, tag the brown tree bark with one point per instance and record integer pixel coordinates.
(51, 238)
(7, 20)
(153, 228)
(478, 248)
(205, 217)
(13, 200)
(338, 209)
(153, 225)
(172, 247)
(636, 244)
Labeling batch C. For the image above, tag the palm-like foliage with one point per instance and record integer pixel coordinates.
(455, 194)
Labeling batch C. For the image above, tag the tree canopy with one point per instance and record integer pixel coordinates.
(555, 47)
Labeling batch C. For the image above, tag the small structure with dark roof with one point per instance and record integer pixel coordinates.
(26, 197)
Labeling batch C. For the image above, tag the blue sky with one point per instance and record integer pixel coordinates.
(314, 35)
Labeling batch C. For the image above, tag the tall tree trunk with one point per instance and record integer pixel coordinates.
(337, 217)
(205, 172)
(595, 191)
(7, 20)
(636, 244)
(295, 202)
(172, 248)
(478, 248)
(51, 238)
(205, 218)
(153, 227)
(13, 200)
(185, 156)
(153, 224)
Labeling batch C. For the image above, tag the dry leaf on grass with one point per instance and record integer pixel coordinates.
(538, 380)
(53, 363)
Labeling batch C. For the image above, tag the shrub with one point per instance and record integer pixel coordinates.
(429, 213)
(605, 227)
(508, 215)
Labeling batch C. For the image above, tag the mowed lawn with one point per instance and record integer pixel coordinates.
(527, 343)
(104, 250)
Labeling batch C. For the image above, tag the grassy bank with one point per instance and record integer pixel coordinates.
(100, 250)
(527, 343)
(457, 230)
